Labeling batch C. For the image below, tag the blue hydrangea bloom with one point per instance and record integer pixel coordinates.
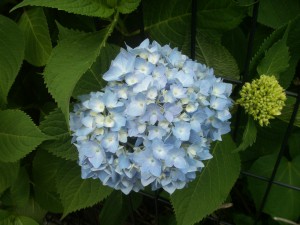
(154, 121)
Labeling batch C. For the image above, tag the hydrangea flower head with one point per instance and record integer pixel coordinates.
(154, 121)
(263, 98)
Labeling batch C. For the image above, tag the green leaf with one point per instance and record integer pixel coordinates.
(294, 144)
(276, 60)
(211, 187)
(8, 174)
(69, 60)
(75, 192)
(18, 220)
(275, 13)
(128, 6)
(92, 79)
(118, 203)
(288, 110)
(11, 55)
(18, 194)
(214, 55)
(38, 46)
(55, 126)
(168, 21)
(18, 135)
(289, 173)
(44, 169)
(249, 135)
(32, 210)
(220, 15)
(95, 8)
(236, 43)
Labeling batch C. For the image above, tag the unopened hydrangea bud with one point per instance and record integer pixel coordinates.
(263, 98)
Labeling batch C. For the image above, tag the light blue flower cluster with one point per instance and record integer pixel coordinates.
(154, 121)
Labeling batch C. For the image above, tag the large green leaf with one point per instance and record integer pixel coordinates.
(294, 144)
(96, 8)
(211, 53)
(220, 15)
(44, 169)
(18, 220)
(289, 173)
(12, 47)
(168, 21)
(92, 79)
(38, 46)
(118, 203)
(18, 194)
(276, 60)
(69, 60)
(288, 110)
(18, 135)
(55, 126)
(77, 193)
(127, 6)
(275, 13)
(249, 135)
(211, 187)
(8, 174)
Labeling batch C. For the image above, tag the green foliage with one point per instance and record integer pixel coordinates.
(276, 60)
(288, 110)
(275, 13)
(210, 187)
(118, 203)
(18, 194)
(11, 55)
(288, 173)
(45, 167)
(38, 45)
(69, 60)
(249, 135)
(8, 174)
(96, 8)
(76, 193)
(60, 145)
(18, 135)
(213, 54)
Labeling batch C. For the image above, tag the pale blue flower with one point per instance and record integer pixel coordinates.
(154, 121)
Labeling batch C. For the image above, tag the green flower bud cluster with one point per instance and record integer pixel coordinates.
(263, 98)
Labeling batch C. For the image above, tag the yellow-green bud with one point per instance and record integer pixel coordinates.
(263, 98)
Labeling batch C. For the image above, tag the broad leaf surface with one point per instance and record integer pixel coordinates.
(38, 46)
(18, 135)
(11, 55)
(249, 135)
(276, 60)
(44, 169)
(55, 126)
(95, 8)
(69, 60)
(287, 111)
(77, 193)
(220, 15)
(294, 144)
(289, 173)
(118, 203)
(211, 53)
(275, 13)
(127, 6)
(168, 21)
(18, 220)
(18, 193)
(8, 174)
(211, 187)
(92, 79)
